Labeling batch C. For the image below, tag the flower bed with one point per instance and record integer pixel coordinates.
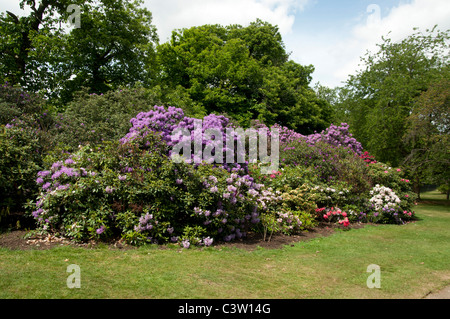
(132, 189)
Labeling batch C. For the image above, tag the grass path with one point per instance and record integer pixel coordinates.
(414, 259)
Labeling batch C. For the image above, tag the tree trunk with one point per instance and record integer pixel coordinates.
(417, 186)
(21, 58)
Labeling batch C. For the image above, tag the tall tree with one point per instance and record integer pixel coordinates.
(114, 45)
(244, 72)
(379, 98)
(428, 135)
(18, 37)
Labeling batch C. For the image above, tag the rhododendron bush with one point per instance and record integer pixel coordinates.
(119, 189)
(134, 190)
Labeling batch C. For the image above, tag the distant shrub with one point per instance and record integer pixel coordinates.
(23, 141)
(21, 159)
(330, 163)
(16, 104)
(93, 118)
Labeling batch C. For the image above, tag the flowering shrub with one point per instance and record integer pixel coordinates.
(293, 212)
(387, 206)
(120, 190)
(337, 136)
(384, 198)
(23, 146)
(132, 189)
(330, 163)
(286, 222)
(328, 196)
(20, 105)
(92, 118)
(286, 135)
(168, 123)
(287, 178)
(332, 215)
(369, 159)
(20, 161)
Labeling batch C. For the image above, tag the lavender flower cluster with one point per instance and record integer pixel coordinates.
(168, 122)
(337, 136)
(240, 203)
(334, 135)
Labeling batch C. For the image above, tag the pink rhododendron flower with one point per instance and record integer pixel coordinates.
(344, 222)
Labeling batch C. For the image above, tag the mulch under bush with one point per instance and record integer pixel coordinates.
(16, 240)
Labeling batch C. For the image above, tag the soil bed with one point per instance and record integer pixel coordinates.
(18, 240)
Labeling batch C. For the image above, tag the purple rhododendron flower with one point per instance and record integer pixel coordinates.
(100, 230)
(43, 173)
(186, 243)
(214, 189)
(208, 241)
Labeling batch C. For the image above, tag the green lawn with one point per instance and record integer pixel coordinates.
(414, 259)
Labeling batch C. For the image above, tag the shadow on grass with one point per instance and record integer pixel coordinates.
(433, 198)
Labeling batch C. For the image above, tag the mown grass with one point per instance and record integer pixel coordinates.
(413, 259)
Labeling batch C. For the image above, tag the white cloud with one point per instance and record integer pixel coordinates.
(336, 58)
(169, 15)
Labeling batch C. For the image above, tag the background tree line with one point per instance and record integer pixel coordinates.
(398, 105)
(244, 72)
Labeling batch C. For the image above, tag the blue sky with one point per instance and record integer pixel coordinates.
(331, 35)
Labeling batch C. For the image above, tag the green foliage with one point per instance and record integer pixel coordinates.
(378, 99)
(114, 46)
(23, 141)
(16, 104)
(329, 163)
(30, 43)
(288, 177)
(292, 214)
(101, 117)
(20, 161)
(243, 72)
(428, 134)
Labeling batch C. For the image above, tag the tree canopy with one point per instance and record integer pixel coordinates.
(397, 106)
(378, 99)
(244, 72)
(114, 46)
(428, 133)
